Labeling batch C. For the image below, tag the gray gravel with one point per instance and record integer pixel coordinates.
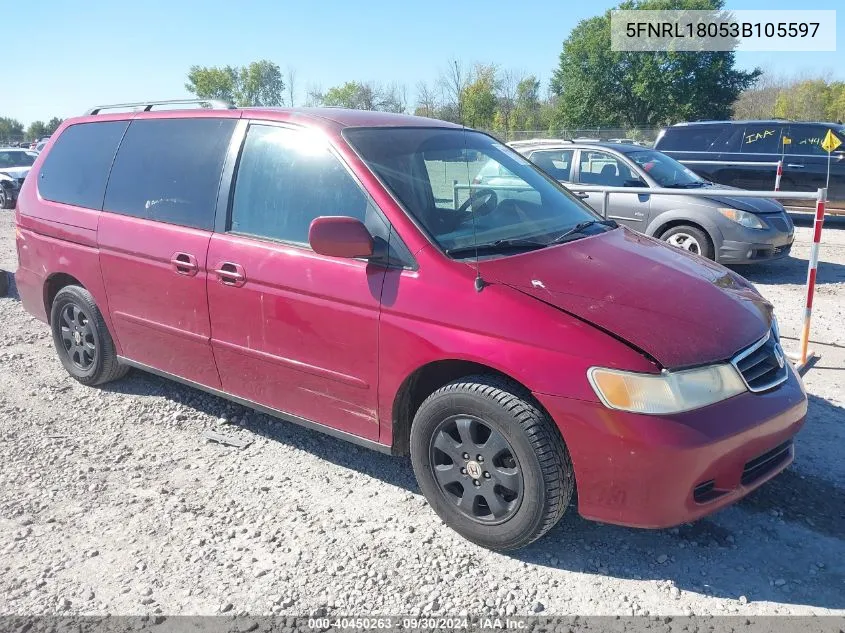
(113, 502)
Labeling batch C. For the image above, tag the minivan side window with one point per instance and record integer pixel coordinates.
(286, 178)
(761, 139)
(76, 169)
(807, 139)
(169, 170)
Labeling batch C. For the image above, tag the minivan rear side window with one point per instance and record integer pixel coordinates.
(691, 138)
(76, 169)
(169, 170)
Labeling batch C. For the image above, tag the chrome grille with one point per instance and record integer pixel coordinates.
(763, 365)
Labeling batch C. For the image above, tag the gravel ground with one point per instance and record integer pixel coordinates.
(112, 502)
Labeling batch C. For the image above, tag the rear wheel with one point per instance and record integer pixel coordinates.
(82, 340)
(4, 199)
(491, 463)
(689, 238)
(4, 282)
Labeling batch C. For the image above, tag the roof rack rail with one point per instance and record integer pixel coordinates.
(146, 106)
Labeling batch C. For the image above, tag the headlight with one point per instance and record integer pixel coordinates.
(667, 392)
(744, 218)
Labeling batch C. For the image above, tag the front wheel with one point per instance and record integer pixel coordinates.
(689, 238)
(82, 339)
(490, 462)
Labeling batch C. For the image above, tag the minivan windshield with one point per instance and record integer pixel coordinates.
(666, 172)
(434, 173)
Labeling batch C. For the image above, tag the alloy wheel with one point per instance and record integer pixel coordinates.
(78, 336)
(476, 469)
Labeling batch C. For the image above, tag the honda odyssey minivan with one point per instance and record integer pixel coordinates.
(340, 270)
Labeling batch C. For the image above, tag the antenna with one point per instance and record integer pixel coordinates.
(479, 282)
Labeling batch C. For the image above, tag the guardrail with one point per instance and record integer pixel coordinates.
(804, 355)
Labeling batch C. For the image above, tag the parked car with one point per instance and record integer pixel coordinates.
(14, 166)
(745, 153)
(727, 229)
(325, 267)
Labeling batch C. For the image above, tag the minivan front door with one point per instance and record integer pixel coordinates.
(293, 330)
(597, 168)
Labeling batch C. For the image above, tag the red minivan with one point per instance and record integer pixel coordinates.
(341, 270)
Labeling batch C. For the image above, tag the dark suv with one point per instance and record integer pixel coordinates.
(745, 153)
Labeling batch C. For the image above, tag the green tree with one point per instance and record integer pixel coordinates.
(36, 130)
(213, 82)
(53, 125)
(527, 112)
(600, 87)
(10, 129)
(258, 84)
(351, 94)
(479, 97)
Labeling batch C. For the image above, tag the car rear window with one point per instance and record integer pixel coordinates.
(169, 170)
(76, 169)
(692, 138)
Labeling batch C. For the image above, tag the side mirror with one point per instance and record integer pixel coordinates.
(340, 236)
(634, 182)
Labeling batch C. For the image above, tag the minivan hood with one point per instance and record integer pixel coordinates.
(676, 307)
(752, 205)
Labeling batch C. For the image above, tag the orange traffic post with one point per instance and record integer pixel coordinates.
(805, 354)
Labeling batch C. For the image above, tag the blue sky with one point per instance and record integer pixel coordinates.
(67, 56)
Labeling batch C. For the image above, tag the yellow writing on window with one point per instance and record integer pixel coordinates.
(756, 136)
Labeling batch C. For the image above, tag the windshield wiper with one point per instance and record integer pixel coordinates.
(496, 247)
(579, 228)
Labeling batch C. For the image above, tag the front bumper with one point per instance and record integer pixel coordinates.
(742, 245)
(660, 471)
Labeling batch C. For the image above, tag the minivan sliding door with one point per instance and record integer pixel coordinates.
(153, 238)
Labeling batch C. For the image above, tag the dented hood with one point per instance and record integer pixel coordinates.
(676, 307)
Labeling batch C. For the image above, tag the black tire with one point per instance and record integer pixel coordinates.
(82, 340)
(535, 450)
(701, 239)
(4, 283)
(4, 199)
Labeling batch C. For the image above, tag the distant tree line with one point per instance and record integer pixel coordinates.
(12, 130)
(802, 99)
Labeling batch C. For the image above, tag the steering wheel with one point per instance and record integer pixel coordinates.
(491, 201)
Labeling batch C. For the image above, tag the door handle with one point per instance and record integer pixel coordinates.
(795, 166)
(581, 194)
(185, 264)
(230, 274)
